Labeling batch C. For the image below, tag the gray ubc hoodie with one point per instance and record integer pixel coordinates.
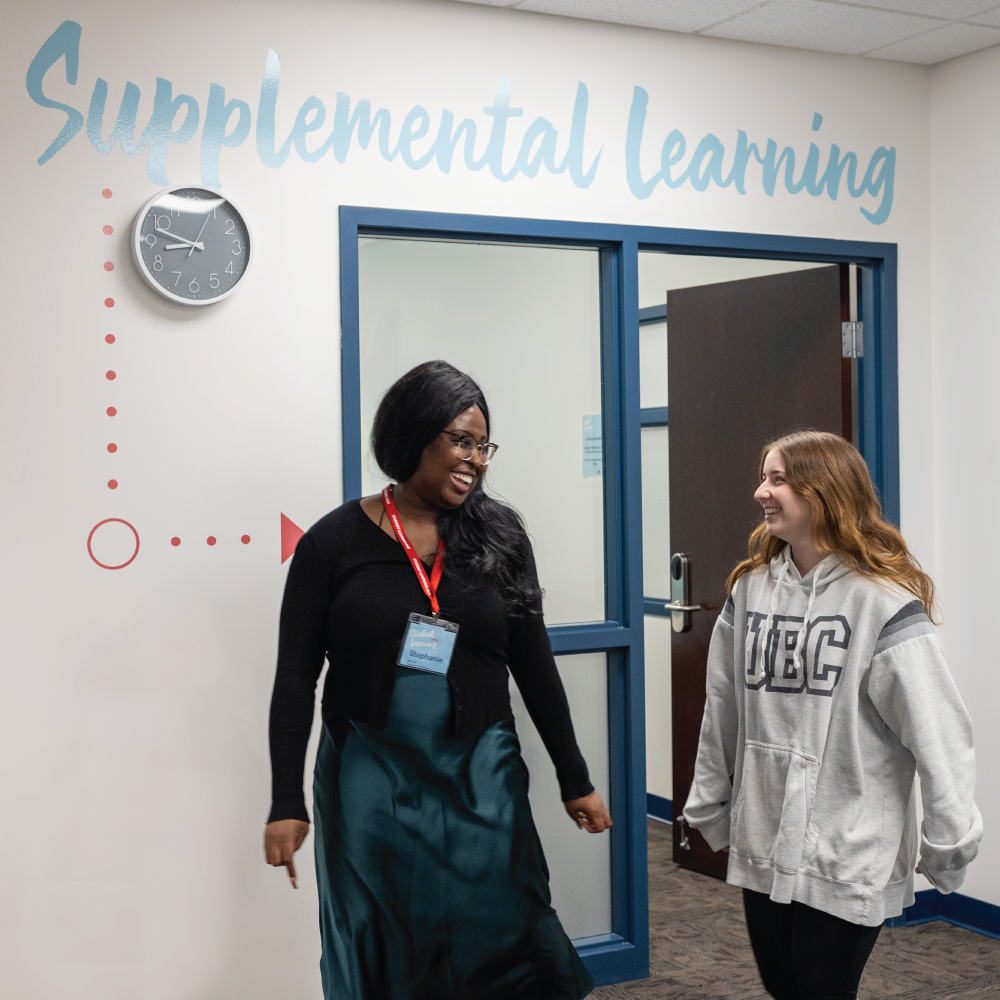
(822, 741)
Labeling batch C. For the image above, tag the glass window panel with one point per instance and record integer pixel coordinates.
(653, 365)
(659, 272)
(659, 738)
(525, 323)
(656, 512)
(579, 862)
(656, 583)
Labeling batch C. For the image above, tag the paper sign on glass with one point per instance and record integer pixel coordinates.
(593, 447)
(428, 644)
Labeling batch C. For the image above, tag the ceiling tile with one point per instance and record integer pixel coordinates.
(953, 9)
(675, 15)
(825, 27)
(989, 17)
(943, 43)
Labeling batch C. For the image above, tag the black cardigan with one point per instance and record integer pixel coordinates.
(349, 591)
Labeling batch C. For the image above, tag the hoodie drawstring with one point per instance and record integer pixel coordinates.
(800, 652)
(805, 623)
(770, 611)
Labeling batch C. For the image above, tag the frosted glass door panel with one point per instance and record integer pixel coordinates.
(524, 322)
(579, 862)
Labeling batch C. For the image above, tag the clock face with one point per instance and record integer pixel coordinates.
(192, 245)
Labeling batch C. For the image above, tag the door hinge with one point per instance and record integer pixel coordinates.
(852, 339)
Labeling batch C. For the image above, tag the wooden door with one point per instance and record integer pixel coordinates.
(747, 361)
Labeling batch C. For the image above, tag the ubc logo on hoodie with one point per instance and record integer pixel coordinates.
(775, 663)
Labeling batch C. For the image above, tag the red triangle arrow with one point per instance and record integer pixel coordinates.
(290, 535)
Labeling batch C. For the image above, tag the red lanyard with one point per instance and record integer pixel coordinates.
(429, 586)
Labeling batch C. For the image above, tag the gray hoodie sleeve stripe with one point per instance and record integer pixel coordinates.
(910, 621)
(729, 611)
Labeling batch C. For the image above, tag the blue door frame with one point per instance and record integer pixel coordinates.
(623, 955)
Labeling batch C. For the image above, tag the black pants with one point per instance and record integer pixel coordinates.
(806, 954)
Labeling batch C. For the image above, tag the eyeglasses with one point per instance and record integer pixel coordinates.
(466, 447)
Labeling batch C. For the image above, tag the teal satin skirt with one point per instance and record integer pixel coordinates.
(432, 881)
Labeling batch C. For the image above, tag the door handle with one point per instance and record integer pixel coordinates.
(680, 606)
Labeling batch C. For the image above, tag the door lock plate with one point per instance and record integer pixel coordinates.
(680, 607)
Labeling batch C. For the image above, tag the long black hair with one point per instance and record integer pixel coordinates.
(483, 536)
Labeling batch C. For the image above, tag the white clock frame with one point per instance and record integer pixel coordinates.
(141, 264)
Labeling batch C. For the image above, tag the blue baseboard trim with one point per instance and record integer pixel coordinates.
(962, 911)
(659, 808)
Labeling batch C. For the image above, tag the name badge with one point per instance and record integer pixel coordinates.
(428, 644)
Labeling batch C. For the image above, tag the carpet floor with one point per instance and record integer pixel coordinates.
(699, 947)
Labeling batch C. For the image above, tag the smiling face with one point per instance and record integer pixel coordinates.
(787, 515)
(443, 478)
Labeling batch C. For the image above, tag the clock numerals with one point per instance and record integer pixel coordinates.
(178, 278)
(229, 268)
(213, 281)
(157, 263)
(238, 248)
(230, 227)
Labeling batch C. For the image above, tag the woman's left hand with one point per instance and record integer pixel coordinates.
(589, 813)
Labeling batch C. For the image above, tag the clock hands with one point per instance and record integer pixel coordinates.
(183, 243)
(200, 231)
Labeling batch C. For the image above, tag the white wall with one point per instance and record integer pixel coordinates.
(134, 711)
(962, 478)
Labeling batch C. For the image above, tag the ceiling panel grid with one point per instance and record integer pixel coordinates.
(913, 31)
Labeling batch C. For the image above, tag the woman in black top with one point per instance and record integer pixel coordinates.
(431, 877)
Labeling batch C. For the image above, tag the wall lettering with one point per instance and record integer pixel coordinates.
(227, 124)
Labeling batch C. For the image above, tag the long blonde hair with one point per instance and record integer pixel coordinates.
(828, 472)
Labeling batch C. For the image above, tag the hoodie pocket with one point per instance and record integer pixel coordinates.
(775, 805)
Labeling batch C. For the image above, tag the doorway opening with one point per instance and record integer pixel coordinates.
(739, 351)
(583, 379)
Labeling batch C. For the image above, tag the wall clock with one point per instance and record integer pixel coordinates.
(192, 245)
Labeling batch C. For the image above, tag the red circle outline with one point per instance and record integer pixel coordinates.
(90, 551)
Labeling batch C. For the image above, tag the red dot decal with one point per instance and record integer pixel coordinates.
(110, 376)
(109, 339)
(245, 539)
(108, 230)
(211, 539)
(108, 266)
(112, 484)
(109, 302)
(112, 447)
(111, 411)
(175, 541)
(106, 192)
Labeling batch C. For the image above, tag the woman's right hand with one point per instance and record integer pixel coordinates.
(282, 839)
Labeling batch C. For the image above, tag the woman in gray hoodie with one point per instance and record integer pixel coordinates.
(827, 691)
